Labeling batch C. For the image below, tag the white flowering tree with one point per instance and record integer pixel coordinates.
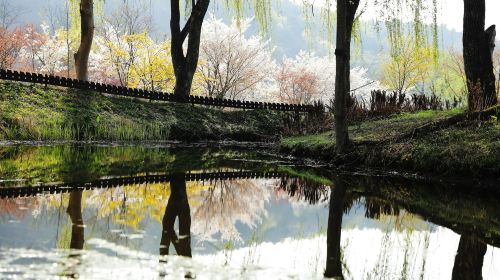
(232, 65)
(308, 77)
(42, 52)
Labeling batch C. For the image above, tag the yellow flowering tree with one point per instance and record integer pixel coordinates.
(409, 66)
(152, 68)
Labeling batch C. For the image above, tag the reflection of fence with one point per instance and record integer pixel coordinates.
(125, 181)
(146, 94)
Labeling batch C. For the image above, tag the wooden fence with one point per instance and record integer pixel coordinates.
(19, 76)
(28, 191)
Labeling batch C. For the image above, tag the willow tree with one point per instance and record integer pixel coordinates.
(185, 61)
(346, 11)
(478, 47)
(347, 16)
(86, 38)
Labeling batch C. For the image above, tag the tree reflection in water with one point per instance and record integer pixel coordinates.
(335, 213)
(75, 213)
(340, 202)
(301, 189)
(376, 208)
(224, 203)
(177, 207)
(218, 205)
(469, 259)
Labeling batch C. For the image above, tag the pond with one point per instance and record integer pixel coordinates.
(142, 212)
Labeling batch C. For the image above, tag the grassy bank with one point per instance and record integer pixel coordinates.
(30, 112)
(469, 147)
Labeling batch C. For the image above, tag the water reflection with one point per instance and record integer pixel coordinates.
(177, 208)
(335, 213)
(222, 204)
(469, 258)
(302, 189)
(74, 210)
(75, 213)
(346, 227)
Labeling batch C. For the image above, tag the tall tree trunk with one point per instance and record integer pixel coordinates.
(346, 10)
(335, 212)
(478, 49)
(75, 213)
(469, 259)
(177, 207)
(86, 37)
(185, 63)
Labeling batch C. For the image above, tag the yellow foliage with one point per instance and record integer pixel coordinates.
(153, 69)
(128, 205)
(410, 65)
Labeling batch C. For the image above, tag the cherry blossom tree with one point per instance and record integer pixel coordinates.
(232, 65)
(42, 52)
(308, 77)
(11, 43)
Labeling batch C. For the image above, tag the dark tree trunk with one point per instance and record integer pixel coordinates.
(87, 35)
(478, 47)
(75, 213)
(335, 212)
(185, 63)
(346, 10)
(177, 207)
(469, 259)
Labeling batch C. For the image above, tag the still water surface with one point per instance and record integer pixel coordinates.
(149, 212)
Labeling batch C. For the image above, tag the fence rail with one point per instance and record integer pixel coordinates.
(28, 191)
(19, 76)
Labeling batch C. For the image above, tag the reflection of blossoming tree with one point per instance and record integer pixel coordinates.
(298, 189)
(19, 207)
(226, 202)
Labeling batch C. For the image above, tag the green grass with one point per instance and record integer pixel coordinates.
(314, 144)
(35, 113)
(387, 128)
(471, 147)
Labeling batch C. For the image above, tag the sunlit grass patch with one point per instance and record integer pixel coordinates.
(35, 113)
(314, 144)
